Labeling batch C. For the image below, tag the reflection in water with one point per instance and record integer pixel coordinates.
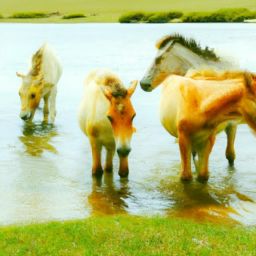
(107, 196)
(217, 201)
(37, 138)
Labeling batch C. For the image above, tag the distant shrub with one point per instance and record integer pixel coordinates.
(158, 18)
(74, 16)
(133, 17)
(174, 15)
(29, 15)
(222, 15)
(1, 16)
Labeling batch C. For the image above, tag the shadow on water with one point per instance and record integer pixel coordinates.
(37, 138)
(217, 201)
(108, 196)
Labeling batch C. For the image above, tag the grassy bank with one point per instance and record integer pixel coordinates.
(109, 10)
(126, 235)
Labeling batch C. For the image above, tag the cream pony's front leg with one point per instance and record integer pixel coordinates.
(185, 153)
(46, 108)
(109, 158)
(52, 103)
(96, 147)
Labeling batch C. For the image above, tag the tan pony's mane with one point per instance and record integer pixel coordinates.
(115, 85)
(37, 60)
(189, 43)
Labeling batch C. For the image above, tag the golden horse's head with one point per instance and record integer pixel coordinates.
(30, 93)
(121, 114)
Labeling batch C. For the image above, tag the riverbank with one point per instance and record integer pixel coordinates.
(127, 235)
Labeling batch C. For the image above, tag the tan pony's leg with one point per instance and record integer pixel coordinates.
(109, 158)
(203, 159)
(231, 135)
(185, 153)
(96, 157)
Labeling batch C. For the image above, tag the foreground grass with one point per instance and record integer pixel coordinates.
(111, 10)
(127, 235)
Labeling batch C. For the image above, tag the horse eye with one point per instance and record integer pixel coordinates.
(110, 118)
(133, 116)
(32, 95)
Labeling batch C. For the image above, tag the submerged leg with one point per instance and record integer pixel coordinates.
(52, 101)
(46, 108)
(185, 153)
(203, 159)
(123, 166)
(109, 158)
(231, 135)
(96, 157)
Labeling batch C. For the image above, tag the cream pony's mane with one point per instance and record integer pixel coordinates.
(37, 61)
(190, 44)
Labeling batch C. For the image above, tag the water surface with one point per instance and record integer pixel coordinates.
(45, 171)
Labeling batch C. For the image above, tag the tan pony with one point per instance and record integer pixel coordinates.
(175, 56)
(194, 110)
(40, 83)
(106, 115)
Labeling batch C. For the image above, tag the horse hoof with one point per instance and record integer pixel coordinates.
(97, 172)
(108, 169)
(186, 178)
(231, 162)
(123, 174)
(202, 179)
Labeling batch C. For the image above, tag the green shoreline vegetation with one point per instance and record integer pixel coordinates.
(127, 235)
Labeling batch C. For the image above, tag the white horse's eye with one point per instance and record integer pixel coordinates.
(133, 116)
(32, 96)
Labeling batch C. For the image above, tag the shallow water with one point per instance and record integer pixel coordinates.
(45, 171)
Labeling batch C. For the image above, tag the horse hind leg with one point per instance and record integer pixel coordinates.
(109, 158)
(231, 135)
(203, 159)
(52, 102)
(46, 108)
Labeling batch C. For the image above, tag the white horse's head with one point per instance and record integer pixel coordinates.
(176, 55)
(30, 93)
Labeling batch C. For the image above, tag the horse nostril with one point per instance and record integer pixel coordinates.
(24, 117)
(123, 151)
(145, 85)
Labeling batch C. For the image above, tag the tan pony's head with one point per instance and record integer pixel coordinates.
(31, 89)
(121, 114)
(176, 54)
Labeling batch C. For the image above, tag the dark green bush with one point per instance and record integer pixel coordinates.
(74, 16)
(132, 17)
(29, 15)
(174, 15)
(158, 18)
(1, 16)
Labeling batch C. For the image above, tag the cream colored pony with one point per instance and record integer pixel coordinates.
(106, 116)
(175, 56)
(40, 83)
(194, 110)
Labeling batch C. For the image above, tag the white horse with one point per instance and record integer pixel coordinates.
(40, 82)
(176, 55)
(106, 115)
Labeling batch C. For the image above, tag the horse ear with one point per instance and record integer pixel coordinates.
(107, 93)
(132, 87)
(20, 75)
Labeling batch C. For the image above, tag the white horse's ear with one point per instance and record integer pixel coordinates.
(20, 75)
(132, 87)
(107, 93)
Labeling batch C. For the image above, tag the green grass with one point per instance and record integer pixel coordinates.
(111, 10)
(29, 15)
(127, 235)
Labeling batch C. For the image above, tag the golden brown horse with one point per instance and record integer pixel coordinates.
(195, 110)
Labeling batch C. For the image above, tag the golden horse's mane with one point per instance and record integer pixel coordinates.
(189, 43)
(37, 61)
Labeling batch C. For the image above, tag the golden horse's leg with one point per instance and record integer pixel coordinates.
(96, 157)
(109, 158)
(185, 153)
(203, 159)
(123, 167)
(231, 135)
(46, 108)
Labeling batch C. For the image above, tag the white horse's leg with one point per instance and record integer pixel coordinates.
(109, 158)
(203, 159)
(46, 108)
(231, 135)
(185, 153)
(52, 103)
(96, 147)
